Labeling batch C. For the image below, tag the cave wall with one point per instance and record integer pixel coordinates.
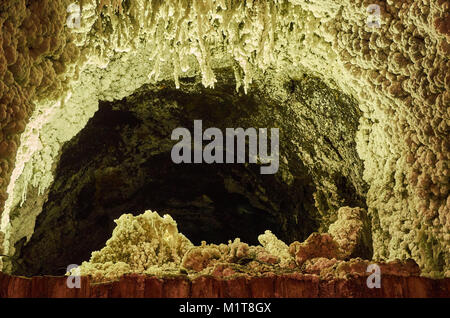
(120, 162)
(52, 78)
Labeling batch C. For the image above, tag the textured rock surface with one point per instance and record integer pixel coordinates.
(147, 243)
(121, 163)
(352, 233)
(399, 74)
(36, 55)
(151, 244)
(316, 246)
(294, 285)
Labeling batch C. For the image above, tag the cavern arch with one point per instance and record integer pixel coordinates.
(395, 77)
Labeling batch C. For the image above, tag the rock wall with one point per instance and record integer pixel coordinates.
(120, 162)
(52, 78)
(286, 286)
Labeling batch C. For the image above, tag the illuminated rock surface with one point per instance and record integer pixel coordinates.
(120, 162)
(387, 146)
(151, 244)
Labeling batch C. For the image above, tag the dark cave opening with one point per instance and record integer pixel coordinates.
(120, 163)
(111, 168)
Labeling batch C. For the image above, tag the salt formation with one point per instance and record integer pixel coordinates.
(350, 231)
(51, 78)
(236, 256)
(333, 268)
(347, 236)
(275, 247)
(146, 243)
(316, 246)
(150, 244)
